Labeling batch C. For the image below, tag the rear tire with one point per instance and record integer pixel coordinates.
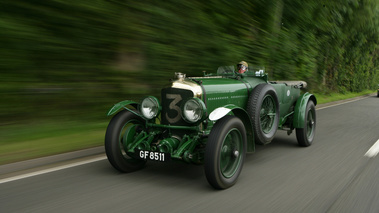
(306, 134)
(114, 148)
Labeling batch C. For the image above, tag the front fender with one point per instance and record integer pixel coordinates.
(221, 112)
(300, 109)
(122, 104)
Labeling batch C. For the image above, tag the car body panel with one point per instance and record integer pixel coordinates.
(300, 109)
(121, 105)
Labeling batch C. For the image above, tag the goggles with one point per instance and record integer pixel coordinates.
(241, 67)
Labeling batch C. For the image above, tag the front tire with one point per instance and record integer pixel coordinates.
(114, 147)
(225, 152)
(306, 134)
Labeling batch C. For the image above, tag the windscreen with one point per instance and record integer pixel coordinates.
(225, 70)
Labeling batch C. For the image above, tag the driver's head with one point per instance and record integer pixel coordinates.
(242, 67)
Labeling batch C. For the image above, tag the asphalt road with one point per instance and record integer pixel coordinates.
(332, 175)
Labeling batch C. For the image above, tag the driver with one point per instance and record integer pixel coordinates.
(242, 67)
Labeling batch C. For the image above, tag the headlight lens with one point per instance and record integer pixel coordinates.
(193, 110)
(149, 107)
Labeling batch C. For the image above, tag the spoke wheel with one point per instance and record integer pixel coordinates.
(267, 114)
(305, 136)
(225, 152)
(120, 132)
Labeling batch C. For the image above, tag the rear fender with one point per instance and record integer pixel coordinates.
(300, 109)
(221, 112)
(123, 104)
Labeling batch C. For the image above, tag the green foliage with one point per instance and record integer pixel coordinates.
(75, 59)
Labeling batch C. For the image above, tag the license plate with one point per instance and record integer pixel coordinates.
(154, 156)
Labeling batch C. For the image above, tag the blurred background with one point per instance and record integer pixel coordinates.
(64, 63)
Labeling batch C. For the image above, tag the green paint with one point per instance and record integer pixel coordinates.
(231, 153)
(300, 109)
(121, 105)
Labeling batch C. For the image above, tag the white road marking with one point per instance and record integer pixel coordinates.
(18, 177)
(373, 151)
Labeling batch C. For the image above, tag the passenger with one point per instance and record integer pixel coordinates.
(242, 67)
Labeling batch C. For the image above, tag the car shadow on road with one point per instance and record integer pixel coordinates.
(185, 175)
(166, 174)
(281, 143)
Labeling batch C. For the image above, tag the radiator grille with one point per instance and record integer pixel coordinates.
(172, 100)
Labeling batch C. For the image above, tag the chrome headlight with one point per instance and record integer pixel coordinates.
(149, 107)
(193, 110)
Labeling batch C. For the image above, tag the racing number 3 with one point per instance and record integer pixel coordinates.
(173, 106)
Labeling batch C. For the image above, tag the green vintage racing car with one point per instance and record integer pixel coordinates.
(212, 120)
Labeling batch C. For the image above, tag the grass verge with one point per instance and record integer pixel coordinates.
(20, 142)
(326, 98)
